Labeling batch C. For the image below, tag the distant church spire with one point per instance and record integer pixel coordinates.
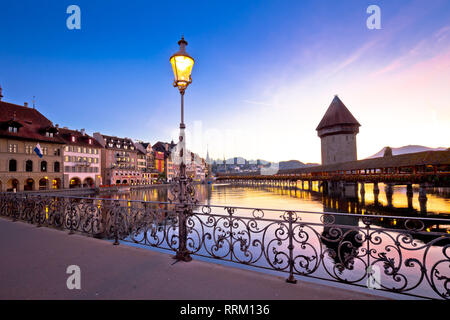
(208, 160)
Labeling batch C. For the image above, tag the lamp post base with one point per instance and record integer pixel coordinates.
(183, 256)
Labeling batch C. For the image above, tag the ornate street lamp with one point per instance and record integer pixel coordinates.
(182, 64)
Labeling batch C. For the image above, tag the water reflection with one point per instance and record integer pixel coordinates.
(438, 203)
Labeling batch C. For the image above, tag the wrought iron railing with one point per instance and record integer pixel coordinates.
(408, 255)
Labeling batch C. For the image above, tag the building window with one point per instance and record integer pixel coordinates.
(28, 149)
(49, 134)
(44, 166)
(12, 165)
(56, 166)
(57, 152)
(90, 141)
(66, 148)
(66, 158)
(73, 139)
(12, 129)
(29, 166)
(12, 148)
(45, 150)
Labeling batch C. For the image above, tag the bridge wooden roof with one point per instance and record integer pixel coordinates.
(404, 160)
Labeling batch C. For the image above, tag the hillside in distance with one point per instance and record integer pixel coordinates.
(295, 164)
(406, 149)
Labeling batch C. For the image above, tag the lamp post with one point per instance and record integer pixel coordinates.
(182, 64)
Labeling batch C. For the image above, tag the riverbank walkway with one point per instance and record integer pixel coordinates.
(33, 263)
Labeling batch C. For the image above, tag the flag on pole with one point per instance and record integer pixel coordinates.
(38, 150)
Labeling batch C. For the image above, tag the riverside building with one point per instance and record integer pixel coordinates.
(82, 159)
(118, 160)
(22, 130)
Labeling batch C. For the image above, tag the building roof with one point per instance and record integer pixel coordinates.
(118, 143)
(81, 139)
(140, 148)
(337, 114)
(162, 147)
(31, 124)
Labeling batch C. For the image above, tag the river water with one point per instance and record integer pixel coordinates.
(277, 198)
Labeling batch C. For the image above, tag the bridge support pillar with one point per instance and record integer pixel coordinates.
(376, 192)
(309, 185)
(324, 186)
(362, 192)
(409, 195)
(423, 198)
(389, 190)
(330, 185)
(350, 189)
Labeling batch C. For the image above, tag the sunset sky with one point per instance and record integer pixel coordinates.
(265, 71)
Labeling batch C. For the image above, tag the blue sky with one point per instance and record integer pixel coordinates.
(265, 71)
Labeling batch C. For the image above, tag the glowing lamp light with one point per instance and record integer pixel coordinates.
(182, 64)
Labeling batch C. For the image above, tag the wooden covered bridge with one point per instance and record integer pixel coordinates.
(427, 169)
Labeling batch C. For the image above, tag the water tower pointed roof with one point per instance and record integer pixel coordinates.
(337, 114)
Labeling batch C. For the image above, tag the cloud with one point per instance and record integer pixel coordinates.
(422, 51)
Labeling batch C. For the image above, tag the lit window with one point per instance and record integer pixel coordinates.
(73, 139)
(90, 141)
(12, 129)
(12, 148)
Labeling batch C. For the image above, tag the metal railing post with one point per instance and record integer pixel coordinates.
(291, 278)
(116, 223)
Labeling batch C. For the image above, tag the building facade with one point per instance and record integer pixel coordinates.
(142, 163)
(337, 131)
(82, 159)
(118, 160)
(21, 169)
(163, 159)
